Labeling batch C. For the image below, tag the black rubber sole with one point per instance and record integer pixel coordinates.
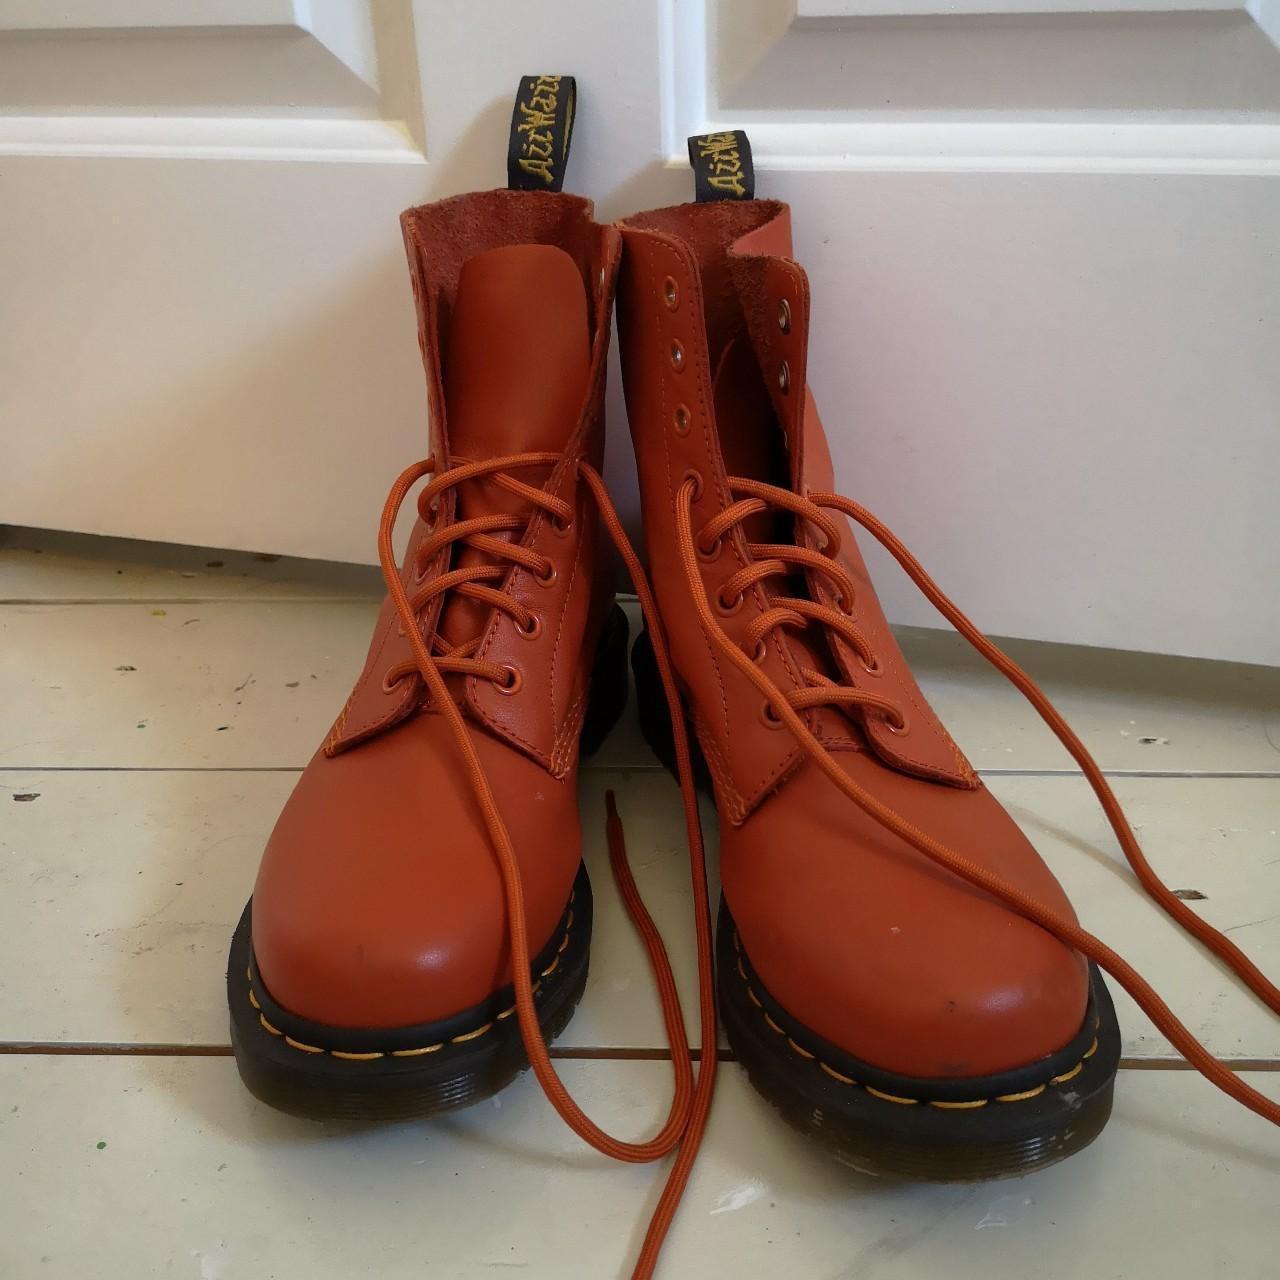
(886, 1124)
(340, 1073)
(895, 1126)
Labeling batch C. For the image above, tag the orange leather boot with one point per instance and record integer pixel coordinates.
(372, 974)
(421, 922)
(898, 970)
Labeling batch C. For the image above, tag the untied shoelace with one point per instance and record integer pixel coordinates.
(770, 560)
(686, 1121)
(691, 1102)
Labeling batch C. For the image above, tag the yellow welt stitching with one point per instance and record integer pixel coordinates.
(408, 1053)
(1023, 1096)
(891, 1097)
(835, 1075)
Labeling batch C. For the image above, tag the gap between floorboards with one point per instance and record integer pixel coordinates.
(71, 1048)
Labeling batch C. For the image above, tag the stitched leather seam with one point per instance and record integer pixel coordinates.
(339, 733)
(544, 758)
(564, 613)
(462, 1037)
(971, 1104)
(736, 808)
(562, 751)
(503, 730)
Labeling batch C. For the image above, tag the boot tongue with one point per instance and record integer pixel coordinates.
(518, 353)
(751, 441)
(516, 367)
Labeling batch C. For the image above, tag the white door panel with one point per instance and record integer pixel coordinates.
(1042, 239)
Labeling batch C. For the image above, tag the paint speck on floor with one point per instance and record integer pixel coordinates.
(102, 1146)
(739, 1197)
(1004, 1211)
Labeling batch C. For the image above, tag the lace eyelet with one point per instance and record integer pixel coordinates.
(784, 377)
(696, 477)
(561, 530)
(680, 420)
(728, 610)
(671, 293)
(711, 553)
(784, 315)
(533, 630)
(419, 571)
(872, 668)
(514, 682)
(898, 729)
(759, 653)
(677, 356)
(769, 717)
(389, 685)
(547, 579)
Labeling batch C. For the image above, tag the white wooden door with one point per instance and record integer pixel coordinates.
(1042, 236)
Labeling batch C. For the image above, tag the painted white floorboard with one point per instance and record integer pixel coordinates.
(130, 883)
(121, 1168)
(47, 564)
(217, 683)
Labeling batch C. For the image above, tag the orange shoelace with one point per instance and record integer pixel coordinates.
(770, 560)
(682, 1132)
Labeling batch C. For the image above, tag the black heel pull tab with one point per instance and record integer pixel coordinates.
(722, 168)
(541, 130)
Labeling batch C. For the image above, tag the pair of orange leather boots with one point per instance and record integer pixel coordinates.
(895, 966)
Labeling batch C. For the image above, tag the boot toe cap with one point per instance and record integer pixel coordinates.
(379, 903)
(882, 953)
